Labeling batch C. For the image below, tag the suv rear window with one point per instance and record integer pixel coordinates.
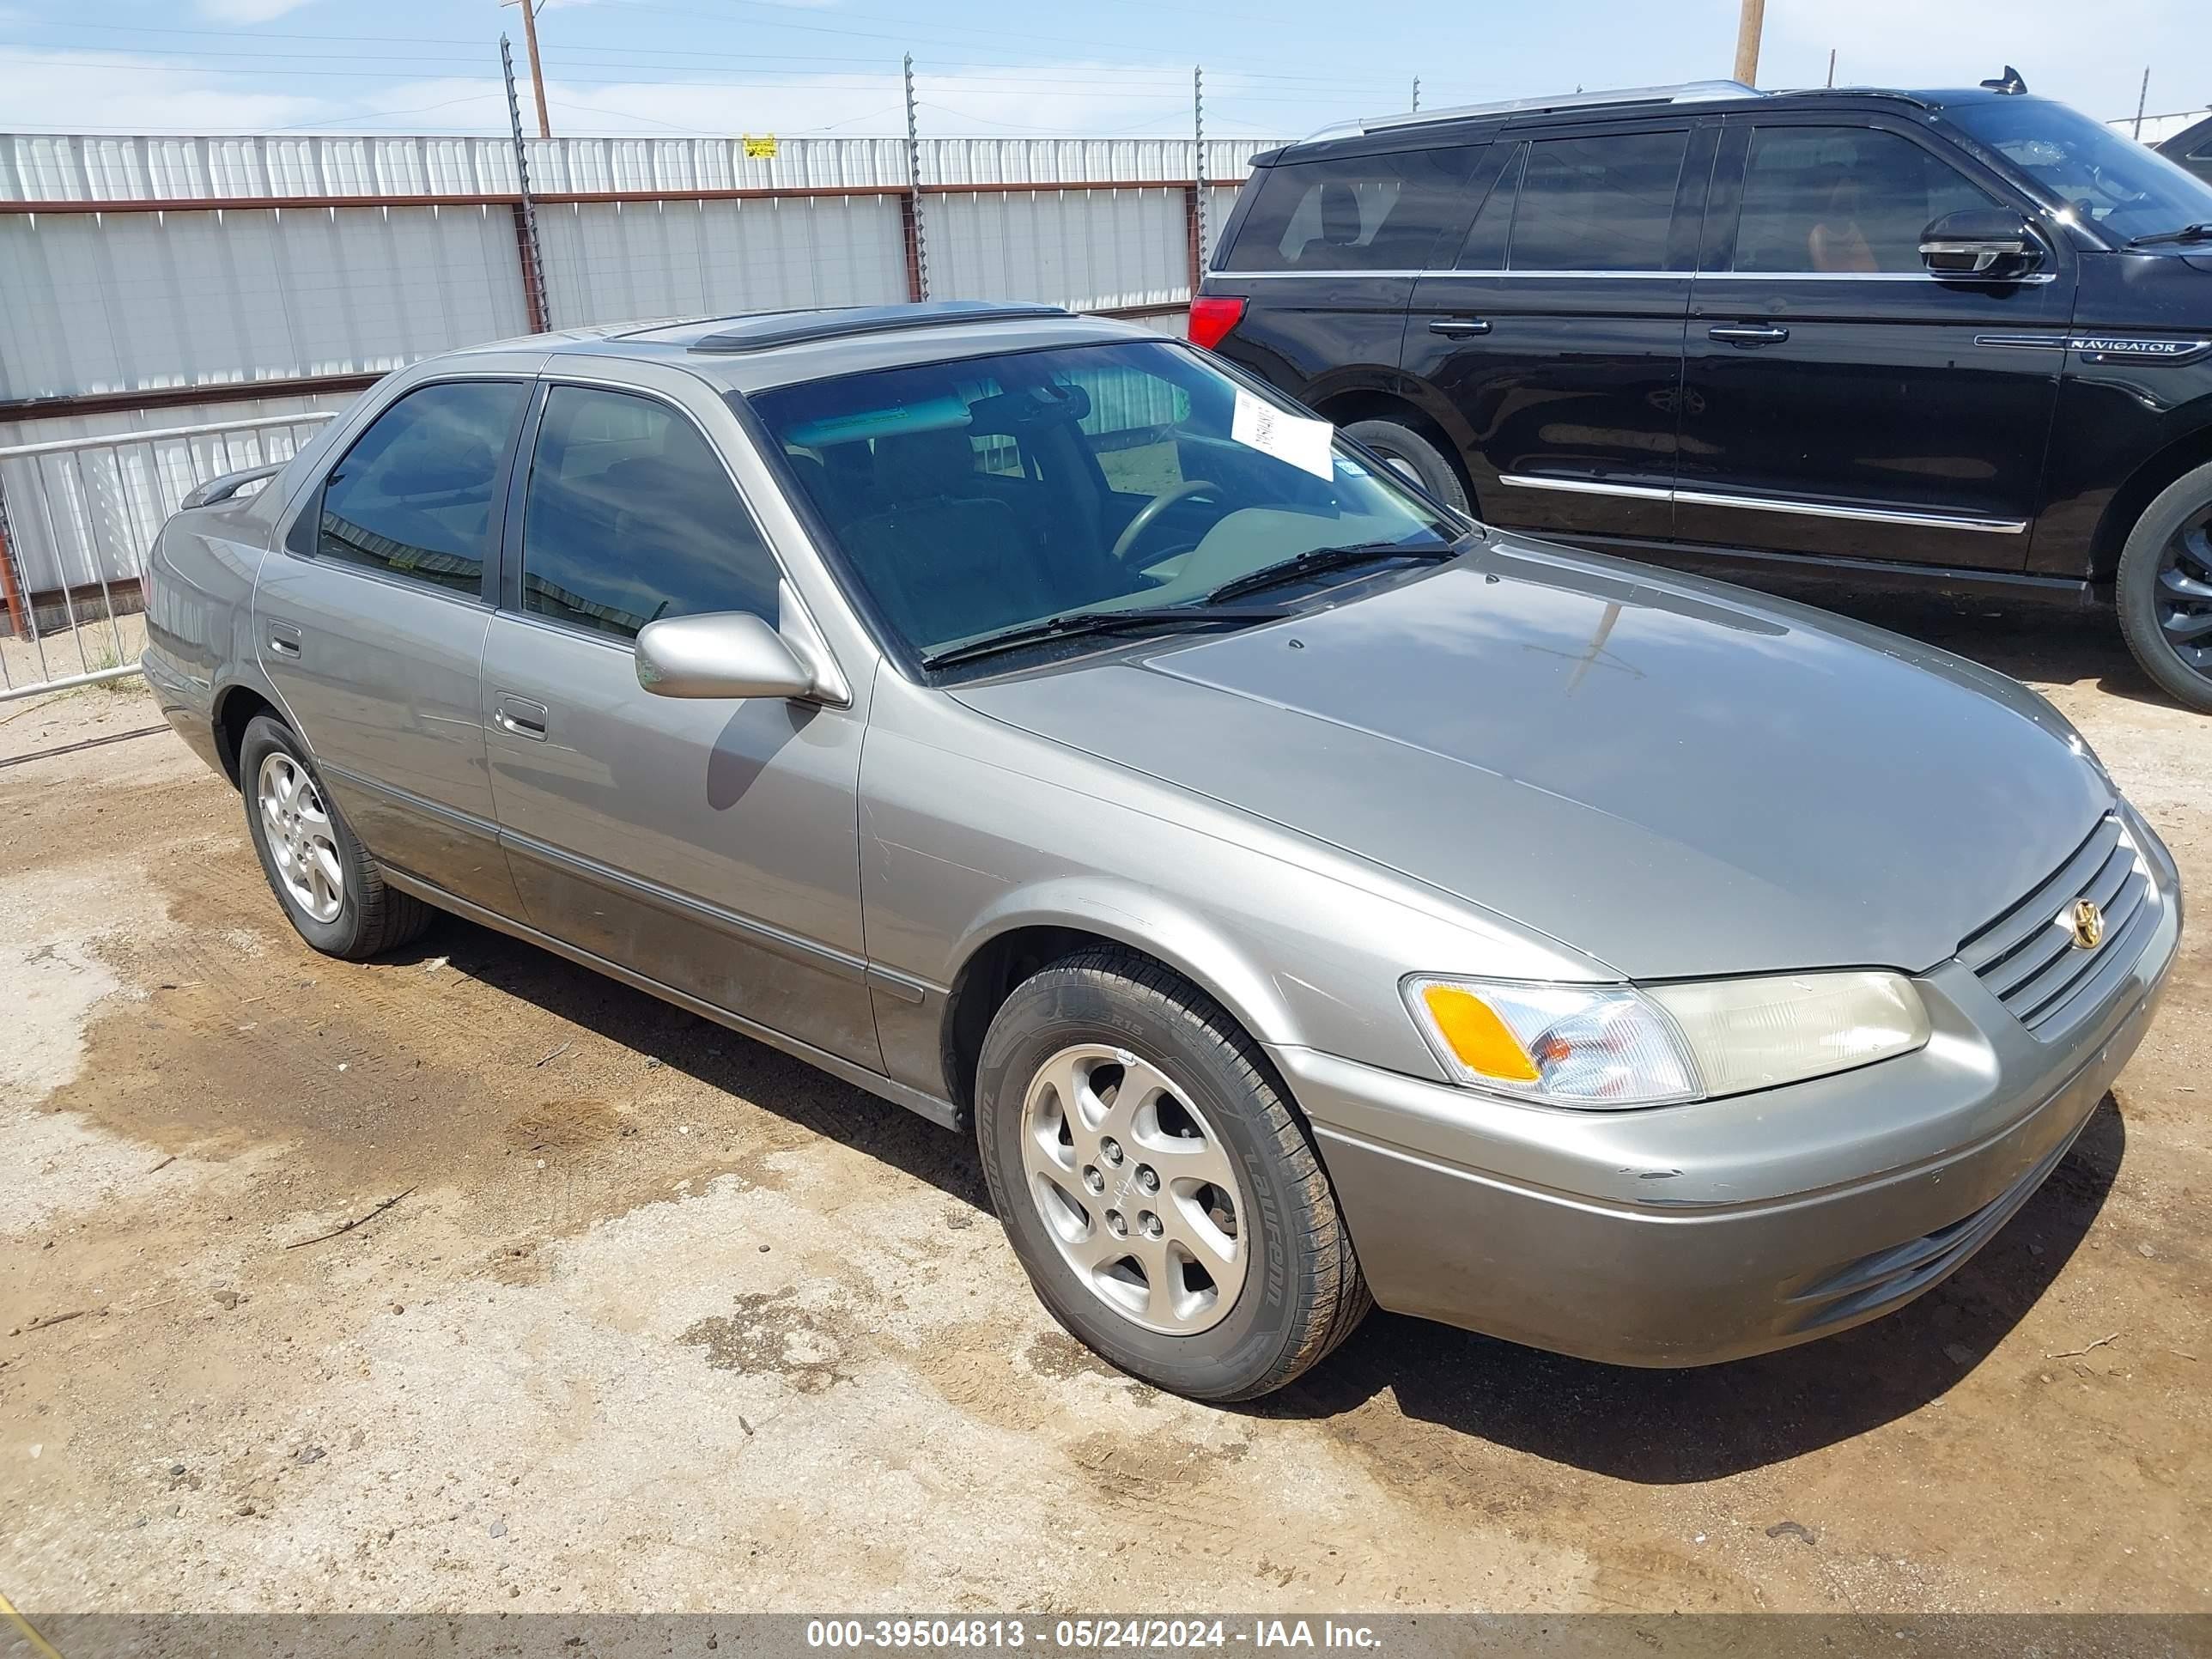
(1600, 203)
(1356, 213)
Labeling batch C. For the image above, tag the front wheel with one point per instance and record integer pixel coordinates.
(1411, 455)
(2165, 590)
(1167, 1204)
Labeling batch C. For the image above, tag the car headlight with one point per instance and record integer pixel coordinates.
(1611, 1046)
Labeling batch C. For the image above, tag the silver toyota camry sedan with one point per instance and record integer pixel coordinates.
(1306, 896)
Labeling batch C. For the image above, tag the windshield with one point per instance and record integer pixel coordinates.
(983, 494)
(2108, 180)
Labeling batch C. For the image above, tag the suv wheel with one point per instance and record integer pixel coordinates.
(1168, 1206)
(1408, 451)
(2165, 592)
(331, 888)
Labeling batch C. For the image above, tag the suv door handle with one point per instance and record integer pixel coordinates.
(1749, 334)
(283, 638)
(1458, 328)
(521, 716)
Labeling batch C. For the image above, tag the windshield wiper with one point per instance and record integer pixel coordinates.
(1108, 621)
(2196, 233)
(1327, 558)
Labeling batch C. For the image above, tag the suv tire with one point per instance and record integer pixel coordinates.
(2165, 580)
(331, 889)
(1059, 1185)
(1406, 451)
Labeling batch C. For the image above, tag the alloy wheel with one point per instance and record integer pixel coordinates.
(297, 827)
(2183, 599)
(1141, 1197)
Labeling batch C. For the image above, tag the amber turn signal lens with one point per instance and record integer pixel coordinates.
(1477, 1035)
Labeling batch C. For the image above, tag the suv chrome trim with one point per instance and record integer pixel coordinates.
(2035, 280)
(1766, 504)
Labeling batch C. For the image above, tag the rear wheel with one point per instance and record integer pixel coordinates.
(331, 888)
(1167, 1204)
(2165, 590)
(1413, 456)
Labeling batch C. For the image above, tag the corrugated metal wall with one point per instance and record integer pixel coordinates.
(134, 301)
(605, 261)
(48, 167)
(104, 303)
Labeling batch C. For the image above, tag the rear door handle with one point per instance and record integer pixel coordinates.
(283, 638)
(1458, 328)
(521, 716)
(1749, 334)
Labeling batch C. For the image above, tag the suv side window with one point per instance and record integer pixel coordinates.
(1843, 200)
(630, 517)
(1359, 213)
(1598, 204)
(413, 496)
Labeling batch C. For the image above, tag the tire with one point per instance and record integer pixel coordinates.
(1293, 1291)
(367, 917)
(2166, 577)
(1402, 447)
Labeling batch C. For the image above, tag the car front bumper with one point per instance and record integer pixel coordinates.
(1689, 1235)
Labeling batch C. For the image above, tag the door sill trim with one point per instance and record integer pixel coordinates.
(1749, 565)
(1681, 497)
(941, 1112)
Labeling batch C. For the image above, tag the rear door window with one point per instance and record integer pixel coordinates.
(630, 517)
(1356, 213)
(1598, 204)
(412, 498)
(1843, 201)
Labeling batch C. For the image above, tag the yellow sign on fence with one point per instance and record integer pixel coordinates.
(760, 149)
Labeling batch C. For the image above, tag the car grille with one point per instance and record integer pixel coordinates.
(2028, 957)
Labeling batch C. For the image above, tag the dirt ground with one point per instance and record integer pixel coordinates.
(661, 1319)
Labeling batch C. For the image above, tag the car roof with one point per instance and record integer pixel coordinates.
(751, 351)
(1471, 123)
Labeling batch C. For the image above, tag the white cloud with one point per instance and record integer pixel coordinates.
(84, 90)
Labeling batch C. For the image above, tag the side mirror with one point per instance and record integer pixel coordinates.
(1981, 245)
(729, 653)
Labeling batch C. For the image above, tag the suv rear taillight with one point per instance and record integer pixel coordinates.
(1212, 317)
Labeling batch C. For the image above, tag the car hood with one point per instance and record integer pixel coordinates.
(1674, 777)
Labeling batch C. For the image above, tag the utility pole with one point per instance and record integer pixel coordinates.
(1832, 66)
(1197, 132)
(526, 210)
(537, 71)
(2142, 99)
(918, 247)
(1417, 94)
(1749, 25)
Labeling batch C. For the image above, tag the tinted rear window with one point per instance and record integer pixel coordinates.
(1602, 204)
(1358, 213)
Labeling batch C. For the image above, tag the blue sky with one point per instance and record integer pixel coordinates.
(1273, 67)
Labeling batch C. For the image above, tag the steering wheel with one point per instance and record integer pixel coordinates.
(1148, 514)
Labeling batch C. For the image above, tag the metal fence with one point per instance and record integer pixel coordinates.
(87, 510)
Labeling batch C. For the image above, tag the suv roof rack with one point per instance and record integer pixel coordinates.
(1687, 92)
(771, 329)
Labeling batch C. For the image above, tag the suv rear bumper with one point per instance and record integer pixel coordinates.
(1685, 1235)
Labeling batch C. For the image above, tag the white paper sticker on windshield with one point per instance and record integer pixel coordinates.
(1294, 439)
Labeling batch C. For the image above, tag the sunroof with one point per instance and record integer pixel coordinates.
(794, 328)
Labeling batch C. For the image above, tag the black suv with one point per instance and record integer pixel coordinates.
(1965, 336)
(2191, 149)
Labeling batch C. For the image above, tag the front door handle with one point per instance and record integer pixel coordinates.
(284, 639)
(1458, 328)
(524, 718)
(1749, 334)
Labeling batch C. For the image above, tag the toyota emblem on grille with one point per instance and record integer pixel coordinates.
(2088, 925)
